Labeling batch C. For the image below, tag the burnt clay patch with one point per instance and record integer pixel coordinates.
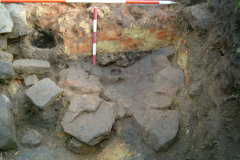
(43, 39)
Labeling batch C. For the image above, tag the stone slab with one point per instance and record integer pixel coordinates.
(8, 138)
(153, 63)
(159, 128)
(91, 127)
(80, 81)
(198, 16)
(31, 66)
(6, 23)
(18, 15)
(80, 104)
(6, 71)
(174, 75)
(43, 93)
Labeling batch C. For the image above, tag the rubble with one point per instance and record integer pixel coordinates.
(8, 138)
(31, 138)
(90, 127)
(43, 93)
(6, 24)
(31, 66)
(159, 128)
(18, 15)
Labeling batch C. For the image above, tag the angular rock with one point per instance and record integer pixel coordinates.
(3, 42)
(79, 147)
(30, 80)
(43, 93)
(31, 66)
(153, 63)
(6, 23)
(79, 81)
(7, 57)
(122, 60)
(91, 127)
(80, 104)
(18, 15)
(6, 70)
(159, 128)
(8, 138)
(106, 58)
(195, 89)
(174, 75)
(31, 138)
(167, 51)
(198, 16)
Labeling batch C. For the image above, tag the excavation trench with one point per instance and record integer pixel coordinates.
(165, 86)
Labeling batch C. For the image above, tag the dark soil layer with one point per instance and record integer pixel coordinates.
(210, 123)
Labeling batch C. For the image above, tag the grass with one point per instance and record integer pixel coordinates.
(237, 6)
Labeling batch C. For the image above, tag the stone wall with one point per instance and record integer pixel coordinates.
(121, 27)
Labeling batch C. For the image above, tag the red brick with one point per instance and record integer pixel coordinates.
(128, 41)
(162, 35)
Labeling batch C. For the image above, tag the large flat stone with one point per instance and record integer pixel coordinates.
(6, 70)
(158, 101)
(31, 66)
(91, 127)
(176, 76)
(7, 57)
(6, 23)
(159, 128)
(153, 63)
(43, 93)
(80, 104)
(8, 138)
(18, 15)
(167, 51)
(80, 81)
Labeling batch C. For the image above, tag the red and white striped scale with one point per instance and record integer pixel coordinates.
(94, 36)
(91, 1)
